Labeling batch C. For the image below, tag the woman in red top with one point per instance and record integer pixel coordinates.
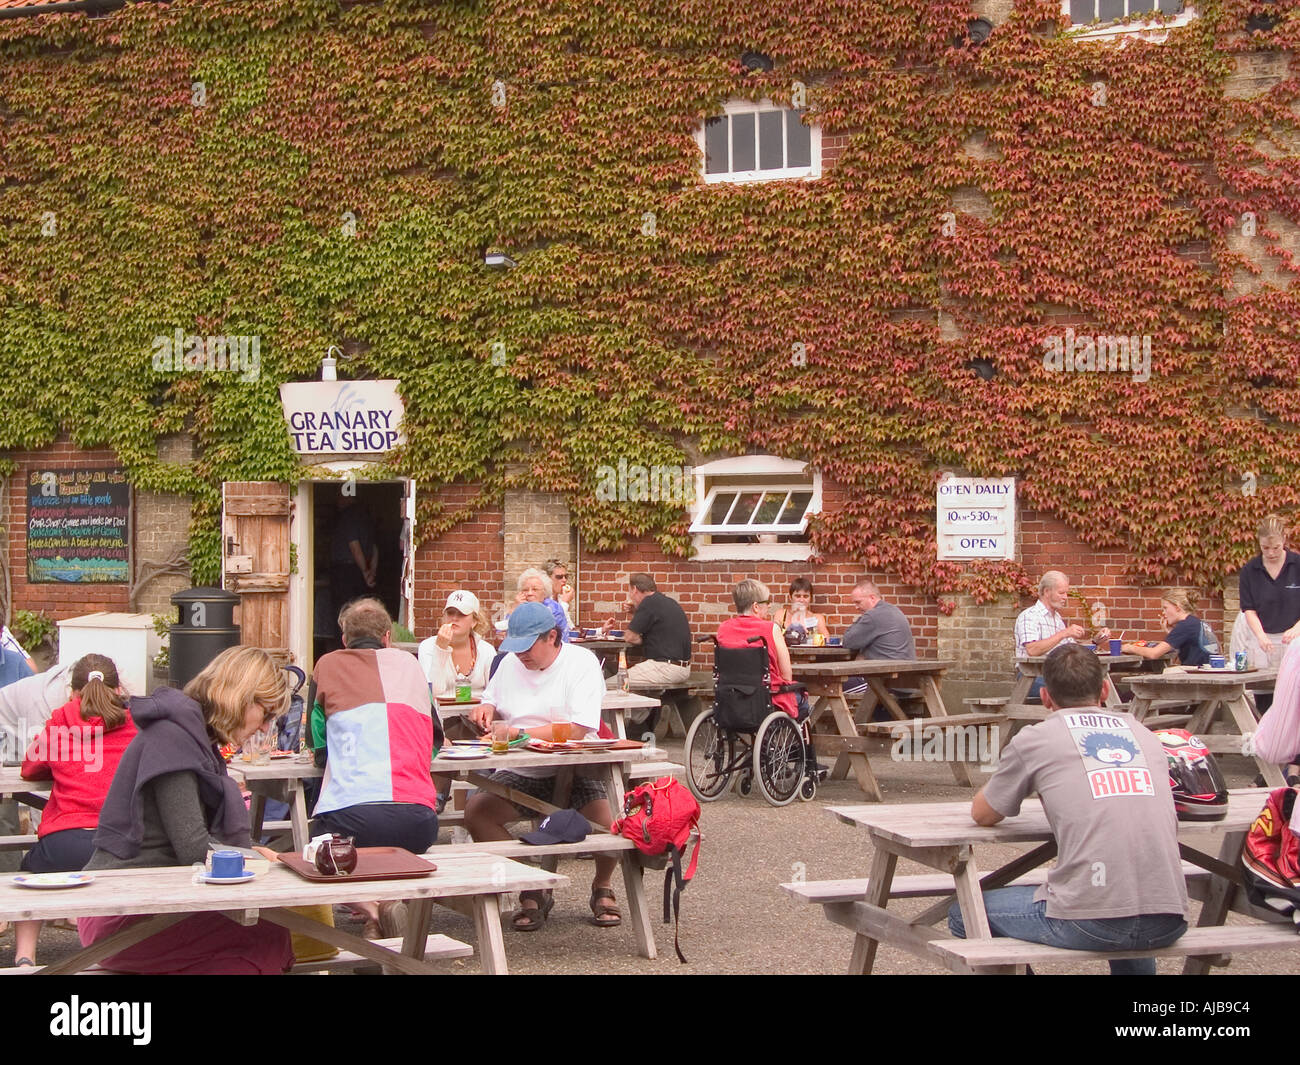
(79, 749)
(753, 601)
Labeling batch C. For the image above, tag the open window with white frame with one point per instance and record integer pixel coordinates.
(759, 142)
(755, 506)
(1099, 18)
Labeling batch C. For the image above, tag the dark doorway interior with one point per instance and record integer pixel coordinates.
(373, 517)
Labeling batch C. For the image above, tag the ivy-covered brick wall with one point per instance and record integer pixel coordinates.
(303, 173)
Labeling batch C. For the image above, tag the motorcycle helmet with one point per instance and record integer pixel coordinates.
(1200, 793)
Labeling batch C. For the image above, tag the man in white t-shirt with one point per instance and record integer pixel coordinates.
(543, 673)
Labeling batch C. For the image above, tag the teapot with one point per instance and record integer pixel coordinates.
(336, 856)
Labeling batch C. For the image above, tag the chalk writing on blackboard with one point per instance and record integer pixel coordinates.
(78, 527)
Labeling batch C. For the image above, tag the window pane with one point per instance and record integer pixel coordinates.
(1082, 11)
(798, 141)
(1109, 10)
(1171, 7)
(795, 508)
(770, 508)
(721, 504)
(742, 142)
(748, 501)
(771, 141)
(715, 145)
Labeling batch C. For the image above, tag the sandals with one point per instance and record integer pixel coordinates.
(24, 963)
(604, 916)
(530, 919)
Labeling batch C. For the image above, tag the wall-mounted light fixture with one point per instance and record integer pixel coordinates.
(756, 62)
(329, 366)
(496, 258)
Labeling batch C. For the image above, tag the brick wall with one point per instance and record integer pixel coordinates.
(162, 523)
(57, 600)
(470, 556)
(536, 528)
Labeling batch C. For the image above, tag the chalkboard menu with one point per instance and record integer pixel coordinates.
(78, 527)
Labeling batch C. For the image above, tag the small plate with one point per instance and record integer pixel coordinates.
(454, 754)
(594, 744)
(52, 880)
(208, 878)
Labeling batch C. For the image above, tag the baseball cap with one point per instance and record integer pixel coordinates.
(465, 602)
(563, 826)
(527, 622)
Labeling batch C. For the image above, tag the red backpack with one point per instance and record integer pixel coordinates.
(660, 817)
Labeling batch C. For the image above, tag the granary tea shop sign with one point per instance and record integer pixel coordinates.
(343, 417)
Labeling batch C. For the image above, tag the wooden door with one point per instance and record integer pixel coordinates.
(255, 541)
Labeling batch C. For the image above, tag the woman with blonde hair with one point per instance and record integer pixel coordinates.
(171, 801)
(458, 654)
(79, 749)
(1188, 635)
(1269, 590)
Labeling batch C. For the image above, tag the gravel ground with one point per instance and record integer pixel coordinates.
(735, 918)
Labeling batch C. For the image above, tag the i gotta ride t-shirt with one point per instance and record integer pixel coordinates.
(1104, 783)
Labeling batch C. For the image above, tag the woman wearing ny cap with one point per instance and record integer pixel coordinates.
(458, 654)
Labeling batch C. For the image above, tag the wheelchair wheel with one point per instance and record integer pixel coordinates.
(778, 758)
(709, 756)
(745, 783)
(808, 789)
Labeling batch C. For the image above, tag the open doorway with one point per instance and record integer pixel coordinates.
(356, 528)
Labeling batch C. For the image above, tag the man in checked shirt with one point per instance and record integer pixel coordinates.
(1040, 628)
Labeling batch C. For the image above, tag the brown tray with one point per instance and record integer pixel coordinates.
(373, 863)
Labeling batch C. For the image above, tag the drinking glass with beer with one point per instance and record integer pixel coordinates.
(500, 737)
(561, 724)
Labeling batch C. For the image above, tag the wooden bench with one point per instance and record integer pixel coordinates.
(17, 843)
(924, 724)
(436, 948)
(1007, 954)
(655, 770)
(673, 700)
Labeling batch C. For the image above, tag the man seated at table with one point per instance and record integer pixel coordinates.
(880, 631)
(1102, 777)
(372, 715)
(659, 627)
(1040, 628)
(541, 673)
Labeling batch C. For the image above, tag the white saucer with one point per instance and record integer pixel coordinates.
(208, 878)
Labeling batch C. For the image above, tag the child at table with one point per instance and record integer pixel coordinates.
(79, 749)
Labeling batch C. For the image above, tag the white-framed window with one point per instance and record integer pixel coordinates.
(759, 142)
(1086, 14)
(754, 507)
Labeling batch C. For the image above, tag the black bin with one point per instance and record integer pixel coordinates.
(205, 627)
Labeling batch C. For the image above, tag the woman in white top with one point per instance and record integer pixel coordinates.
(458, 653)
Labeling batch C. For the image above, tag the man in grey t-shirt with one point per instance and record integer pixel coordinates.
(1104, 782)
(881, 631)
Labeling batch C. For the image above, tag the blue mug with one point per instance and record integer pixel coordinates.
(227, 864)
(834, 641)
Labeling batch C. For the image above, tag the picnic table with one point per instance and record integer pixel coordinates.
(808, 652)
(942, 836)
(33, 793)
(1030, 668)
(170, 894)
(611, 765)
(825, 683)
(1213, 695)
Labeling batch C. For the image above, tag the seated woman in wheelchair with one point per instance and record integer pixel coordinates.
(753, 609)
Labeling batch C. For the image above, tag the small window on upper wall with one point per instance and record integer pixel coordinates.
(754, 507)
(1086, 14)
(759, 142)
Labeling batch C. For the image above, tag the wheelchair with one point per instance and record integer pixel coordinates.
(746, 737)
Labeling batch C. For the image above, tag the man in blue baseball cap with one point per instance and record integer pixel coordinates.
(539, 672)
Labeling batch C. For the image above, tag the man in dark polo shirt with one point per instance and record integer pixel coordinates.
(659, 627)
